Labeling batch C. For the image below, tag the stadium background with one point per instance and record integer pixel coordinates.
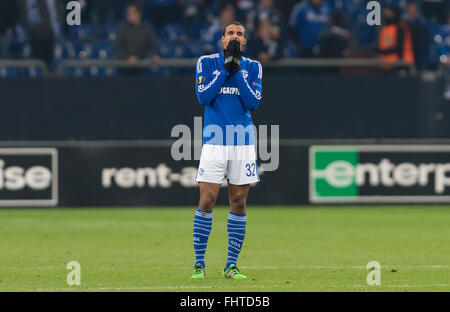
(323, 80)
(75, 103)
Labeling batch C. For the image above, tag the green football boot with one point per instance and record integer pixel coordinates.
(233, 273)
(198, 272)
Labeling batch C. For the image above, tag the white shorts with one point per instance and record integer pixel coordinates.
(237, 163)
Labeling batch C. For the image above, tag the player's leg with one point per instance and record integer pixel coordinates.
(236, 226)
(237, 196)
(208, 196)
(210, 175)
(242, 172)
(203, 225)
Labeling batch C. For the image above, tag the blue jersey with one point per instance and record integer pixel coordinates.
(228, 99)
(310, 22)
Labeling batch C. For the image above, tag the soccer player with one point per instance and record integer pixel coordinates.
(229, 86)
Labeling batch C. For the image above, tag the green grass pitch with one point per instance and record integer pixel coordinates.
(285, 249)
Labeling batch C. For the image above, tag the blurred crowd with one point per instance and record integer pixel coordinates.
(414, 31)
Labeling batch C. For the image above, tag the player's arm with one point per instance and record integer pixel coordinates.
(250, 90)
(208, 82)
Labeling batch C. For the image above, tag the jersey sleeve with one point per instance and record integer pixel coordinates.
(295, 19)
(250, 88)
(208, 82)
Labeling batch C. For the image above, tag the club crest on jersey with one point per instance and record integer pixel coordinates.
(201, 79)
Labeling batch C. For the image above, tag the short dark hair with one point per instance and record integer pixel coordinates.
(396, 10)
(137, 6)
(235, 23)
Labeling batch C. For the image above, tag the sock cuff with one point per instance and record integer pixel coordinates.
(237, 214)
(237, 217)
(203, 214)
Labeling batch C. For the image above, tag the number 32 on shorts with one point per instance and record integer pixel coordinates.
(250, 170)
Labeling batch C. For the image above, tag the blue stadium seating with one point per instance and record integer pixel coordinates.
(109, 31)
(177, 41)
(82, 32)
(7, 72)
(440, 43)
(172, 31)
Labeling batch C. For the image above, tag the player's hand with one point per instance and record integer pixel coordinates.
(232, 56)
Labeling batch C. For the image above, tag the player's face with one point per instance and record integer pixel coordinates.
(133, 15)
(234, 32)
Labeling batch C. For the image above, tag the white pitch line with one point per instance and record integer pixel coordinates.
(160, 287)
(404, 286)
(244, 286)
(319, 267)
(418, 286)
(87, 223)
(299, 267)
(313, 267)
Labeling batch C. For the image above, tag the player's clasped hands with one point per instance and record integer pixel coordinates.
(233, 55)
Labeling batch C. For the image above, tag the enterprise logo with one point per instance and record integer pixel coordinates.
(380, 173)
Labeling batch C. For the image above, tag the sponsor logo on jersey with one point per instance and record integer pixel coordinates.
(229, 90)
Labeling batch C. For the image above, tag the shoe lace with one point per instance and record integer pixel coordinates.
(233, 270)
(198, 269)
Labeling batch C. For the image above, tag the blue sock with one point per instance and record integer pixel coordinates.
(236, 233)
(202, 228)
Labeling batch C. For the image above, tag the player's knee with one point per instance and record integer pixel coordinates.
(207, 200)
(238, 200)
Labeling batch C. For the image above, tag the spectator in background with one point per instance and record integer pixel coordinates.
(213, 35)
(136, 39)
(394, 41)
(8, 18)
(44, 25)
(420, 34)
(265, 10)
(265, 45)
(308, 20)
(335, 40)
